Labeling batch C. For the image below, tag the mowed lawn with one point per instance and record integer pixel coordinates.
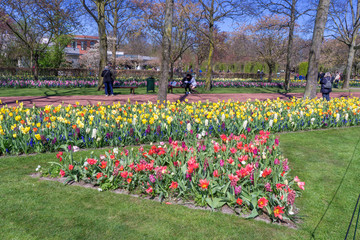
(34, 209)
(11, 92)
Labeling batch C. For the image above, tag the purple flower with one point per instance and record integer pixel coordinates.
(237, 190)
(152, 178)
(249, 130)
(285, 165)
(252, 177)
(221, 163)
(188, 176)
(276, 161)
(170, 140)
(291, 198)
(206, 164)
(276, 141)
(69, 147)
(268, 187)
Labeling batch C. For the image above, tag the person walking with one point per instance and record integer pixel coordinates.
(108, 81)
(326, 86)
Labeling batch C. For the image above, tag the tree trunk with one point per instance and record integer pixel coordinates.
(115, 32)
(171, 71)
(36, 66)
(349, 64)
(314, 55)
(271, 69)
(290, 46)
(103, 39)
(166, 51)
(210, 56)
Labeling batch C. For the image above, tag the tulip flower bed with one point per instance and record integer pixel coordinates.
(26, 130)
(139, 83)
(245, 172)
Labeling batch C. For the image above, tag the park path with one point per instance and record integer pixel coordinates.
(41, 101)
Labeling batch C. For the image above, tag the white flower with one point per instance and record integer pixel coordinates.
(261, 172)
(38, 168)
(223, 117)
(275, 116)
(203, 133)
(271, 123)
(87, 130)
(116, 150)
(188, 127)
(99, 189)
(94, 131)
(85, 164)
(346, 116)
(98, 139)
(245, 124)
(286, 182)
(206, 122)
(312, 121)
(76, 148)
(337, 117)
(243, 162)
(198, 136)
(301, 114)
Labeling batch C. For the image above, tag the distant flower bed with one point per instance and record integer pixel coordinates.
(137, 83)
(246, 172)
(27, 130)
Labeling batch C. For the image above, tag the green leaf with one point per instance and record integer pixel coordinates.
(253, 214)
(215, 202)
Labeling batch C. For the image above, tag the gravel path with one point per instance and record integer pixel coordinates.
(41, 101)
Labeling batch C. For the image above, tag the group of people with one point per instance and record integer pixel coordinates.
(260, 74)
(326, 80)
(189, 83)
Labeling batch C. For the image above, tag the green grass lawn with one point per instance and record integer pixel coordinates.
(10, 92)
(33, 209)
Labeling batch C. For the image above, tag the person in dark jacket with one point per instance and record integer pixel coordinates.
(108, 81)
(326, 87)
(186, 82)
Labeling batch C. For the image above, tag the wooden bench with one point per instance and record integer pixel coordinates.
(170, 88)
(132, 88)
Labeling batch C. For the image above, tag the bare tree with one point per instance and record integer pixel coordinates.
(345, 22)
(314, 55)
(269, 38)
(166, 51)
(119, 16)
(290, 9)
(183, 31)
(35, 23)
(96, 9)
(213, 12)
